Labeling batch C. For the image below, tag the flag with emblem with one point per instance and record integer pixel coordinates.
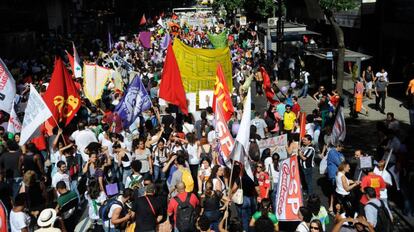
(61, 96)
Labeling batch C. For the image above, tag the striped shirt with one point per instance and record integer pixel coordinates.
(309, 153)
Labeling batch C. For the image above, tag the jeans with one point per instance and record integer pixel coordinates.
(246, 210)
(214, 217)
(158, 173)
(108, 229)
(125, 174)
(304, 90)
(74, 187)
(274, 195)
(307, 172)
(378, 99)
(15, 185)
(411, 114)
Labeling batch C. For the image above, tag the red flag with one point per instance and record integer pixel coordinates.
(71, 61)
(223, 133)
(61, 96)
(174, 16)
(222, 95)
(143, 20)
(171, 86)
(302, 123)
(267, 86)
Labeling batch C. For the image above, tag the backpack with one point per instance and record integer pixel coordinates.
(187, 179)
(186, 215)
(136, 183)
(384, 223)
(104, 210)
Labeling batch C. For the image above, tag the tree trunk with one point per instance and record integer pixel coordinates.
(341, 53)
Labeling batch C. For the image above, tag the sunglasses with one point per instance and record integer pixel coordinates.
(260, 166)
(314, 228)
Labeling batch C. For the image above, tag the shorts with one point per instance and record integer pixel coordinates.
(368, 85)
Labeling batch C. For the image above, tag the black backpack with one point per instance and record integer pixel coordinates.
(186, 215)
(384, 223)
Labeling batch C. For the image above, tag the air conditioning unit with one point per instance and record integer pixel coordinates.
(271, 22)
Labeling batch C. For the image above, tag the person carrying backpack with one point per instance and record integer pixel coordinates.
(114, 212)
(183, 207)
(183, 174)
(377, 213)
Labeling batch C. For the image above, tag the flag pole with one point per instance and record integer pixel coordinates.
(57, 124)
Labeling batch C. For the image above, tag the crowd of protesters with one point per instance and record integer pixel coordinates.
(164, 173)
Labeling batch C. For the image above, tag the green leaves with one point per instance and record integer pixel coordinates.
(339, 5)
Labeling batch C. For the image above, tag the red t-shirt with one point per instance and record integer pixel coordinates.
(296, 108)
(373, 181)
(173, 205)
(264, 184)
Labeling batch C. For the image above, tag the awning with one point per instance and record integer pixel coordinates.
(326, 54)
(292, 35)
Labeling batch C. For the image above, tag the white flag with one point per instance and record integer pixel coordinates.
(7, 88)
(14, 125)
(241, 148)
(35, 114)
(160, 22)
(76, 63)
(339, 128)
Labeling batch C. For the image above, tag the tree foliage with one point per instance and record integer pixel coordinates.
(230, 5)
(339, 5)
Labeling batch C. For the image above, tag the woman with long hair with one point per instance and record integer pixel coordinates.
(210, 205)
(217, 178)
(143, 154)
(95, 197)
(316, 225)
(160, 158)
(204, 173)
(265, 211)
(318, 210)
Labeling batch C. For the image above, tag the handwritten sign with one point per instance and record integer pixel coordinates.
(277, 144)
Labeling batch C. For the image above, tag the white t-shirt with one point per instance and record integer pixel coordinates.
(302, 227)
(305, 76)
(18, 221)
(339, 186)
(192, 151)
(58, 177)
(385, 75)
(188, 128)
(82, 139)
(260, 125)
(92, 212)
(387, 179)
(268, 162)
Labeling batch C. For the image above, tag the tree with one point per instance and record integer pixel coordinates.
(330, 7)
(230, 5)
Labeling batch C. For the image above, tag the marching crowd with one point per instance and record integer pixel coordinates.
(165, 172)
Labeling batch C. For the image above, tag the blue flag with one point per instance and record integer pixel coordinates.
(165, 41)
(135, 101)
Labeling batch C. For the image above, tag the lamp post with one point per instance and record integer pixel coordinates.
(279, 28)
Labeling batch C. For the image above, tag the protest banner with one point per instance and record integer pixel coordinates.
(7, 88)
(35, 114)
(198, 66)
(95, 78)
(205, 98)
(289, 195)
(226, 141)
(276, 144)
(192, 103)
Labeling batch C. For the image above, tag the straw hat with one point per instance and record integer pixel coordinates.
(47, 217)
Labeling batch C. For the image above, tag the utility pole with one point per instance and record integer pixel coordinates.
(279, 28)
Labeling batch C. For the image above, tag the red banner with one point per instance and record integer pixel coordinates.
(223, 133)
(222, 95)
(302, 124)
(289, 195)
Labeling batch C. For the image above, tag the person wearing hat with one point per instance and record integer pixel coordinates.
(46, 221)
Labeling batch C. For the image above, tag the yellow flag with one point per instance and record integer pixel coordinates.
(198, 66)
